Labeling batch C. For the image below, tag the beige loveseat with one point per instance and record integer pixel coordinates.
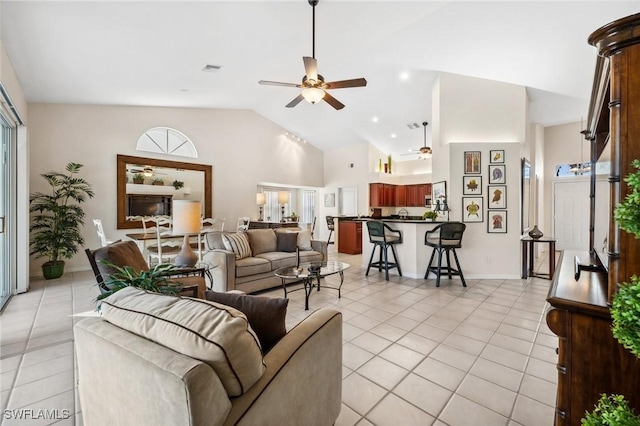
(158, 360)
(234, 271)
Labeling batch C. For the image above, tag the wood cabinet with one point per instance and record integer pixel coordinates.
(388, 195)
(590, 360)
(349, 237)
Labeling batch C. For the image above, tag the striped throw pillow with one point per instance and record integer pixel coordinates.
(237, 243)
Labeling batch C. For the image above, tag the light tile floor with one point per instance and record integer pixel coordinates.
(413, 354)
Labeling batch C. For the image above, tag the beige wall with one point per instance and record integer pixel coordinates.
(243, 147)
(561, 146)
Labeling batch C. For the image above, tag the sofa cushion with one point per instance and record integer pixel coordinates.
(303, 236)
(287, 242)
(213, 333)
(266, 315)
(251, 266)
(120, 254)
(279, 259)
(304, 240)
(237, 243)
(262, 240)
(214, 241)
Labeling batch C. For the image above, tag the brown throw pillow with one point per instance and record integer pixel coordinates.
(287, 241)
(266, 315)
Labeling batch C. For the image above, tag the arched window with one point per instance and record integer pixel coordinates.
(165, 140)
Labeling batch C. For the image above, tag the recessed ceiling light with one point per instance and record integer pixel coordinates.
(393, 135)
(374, 119)
(211, 68)
(404, 75)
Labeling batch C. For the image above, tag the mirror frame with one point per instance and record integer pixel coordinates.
(527, 200)
(121, 167)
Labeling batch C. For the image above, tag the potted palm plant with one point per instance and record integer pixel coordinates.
(156, 279)
(56, 220)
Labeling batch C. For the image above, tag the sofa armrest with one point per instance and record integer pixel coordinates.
(224, 270)
(306, 363)
(320, 246)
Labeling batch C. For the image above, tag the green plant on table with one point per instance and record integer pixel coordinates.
(138, 178)
(156, 279)
(157, 181)
(430, 214)
(611, 410)
(177, 184)
(57, 217)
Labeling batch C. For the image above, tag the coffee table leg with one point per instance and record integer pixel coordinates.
(341, 281)
(308, 287)
(284, 287)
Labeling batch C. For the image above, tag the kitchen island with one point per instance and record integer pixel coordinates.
(413, 255)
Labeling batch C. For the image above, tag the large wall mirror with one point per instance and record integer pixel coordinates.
(145, 187)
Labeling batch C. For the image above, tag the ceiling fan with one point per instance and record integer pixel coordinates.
(424, 150)
(314, 88)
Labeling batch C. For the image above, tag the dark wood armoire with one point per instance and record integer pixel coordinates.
(590, 360)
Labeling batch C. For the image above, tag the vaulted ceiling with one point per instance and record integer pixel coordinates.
(153, 53)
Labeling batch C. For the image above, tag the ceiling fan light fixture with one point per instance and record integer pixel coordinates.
(313, 94)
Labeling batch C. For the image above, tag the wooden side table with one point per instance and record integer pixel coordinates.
(527, 256)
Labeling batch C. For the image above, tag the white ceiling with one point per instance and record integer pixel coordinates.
(153, 53)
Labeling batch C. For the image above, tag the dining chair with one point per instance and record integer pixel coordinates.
(243, 223)
(101, 235)
(167, 245)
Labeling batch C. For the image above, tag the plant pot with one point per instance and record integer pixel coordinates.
(158, 183)
(138, 181)
(53, 269)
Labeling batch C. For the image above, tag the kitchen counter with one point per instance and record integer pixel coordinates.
(413, 254)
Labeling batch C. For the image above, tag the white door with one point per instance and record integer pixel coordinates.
(571, 214)
(348, 201)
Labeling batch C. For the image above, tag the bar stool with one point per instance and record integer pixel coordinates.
(330, 226)
(446, 237)
(382, 236)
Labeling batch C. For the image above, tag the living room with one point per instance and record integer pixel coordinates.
(247, 148)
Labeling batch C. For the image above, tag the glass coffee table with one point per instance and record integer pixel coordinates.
(309, 272)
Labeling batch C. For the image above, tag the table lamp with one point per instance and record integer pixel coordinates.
(186, 221)
(261, 200)
(283, 198)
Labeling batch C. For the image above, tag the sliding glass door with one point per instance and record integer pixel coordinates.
(6, 268)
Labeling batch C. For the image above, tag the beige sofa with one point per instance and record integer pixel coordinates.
(256, 272)
(162, 360)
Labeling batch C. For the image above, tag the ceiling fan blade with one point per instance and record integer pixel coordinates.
(278, 83)
(311, 68)
(332, 101)
(356, 82)
(295, 102)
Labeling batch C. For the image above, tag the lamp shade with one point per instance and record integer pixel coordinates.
(186, 217)
(261, 199)
(283, 197)
(313, 94)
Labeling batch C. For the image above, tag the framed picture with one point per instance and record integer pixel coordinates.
(472, 185)
(330, 199)
(497, 222)
(497, 197)
(496, 173)
(472, 162)
(438, 194)
(472, 210)
(496, 156)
